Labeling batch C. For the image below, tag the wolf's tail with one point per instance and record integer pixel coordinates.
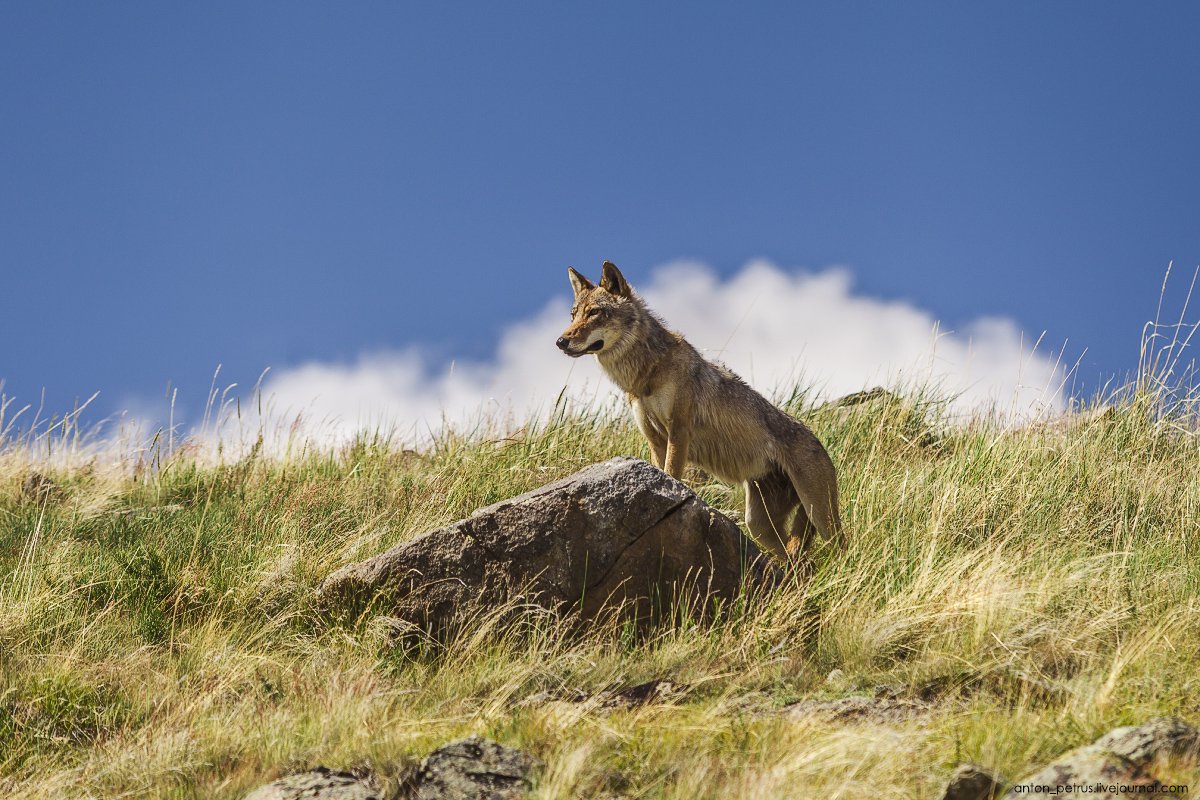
(813, 476)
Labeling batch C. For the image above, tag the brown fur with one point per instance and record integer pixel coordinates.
(694, 410)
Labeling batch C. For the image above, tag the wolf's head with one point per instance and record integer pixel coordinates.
(601, 315)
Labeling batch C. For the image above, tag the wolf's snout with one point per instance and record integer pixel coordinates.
(562, 343)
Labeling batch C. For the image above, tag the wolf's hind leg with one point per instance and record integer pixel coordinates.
(767, 508)
(801, 532)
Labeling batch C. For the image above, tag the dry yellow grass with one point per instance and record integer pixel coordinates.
(1037, 585)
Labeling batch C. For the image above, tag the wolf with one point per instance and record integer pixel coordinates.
(694, 410)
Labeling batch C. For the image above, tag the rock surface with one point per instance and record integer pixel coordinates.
(316, 784)
(473, 769)
(860, 709)
(38, 487)
(1122, 757)
(466, 769)
(641, 694)
(1160, 736)
(620, 534)
(969, 782)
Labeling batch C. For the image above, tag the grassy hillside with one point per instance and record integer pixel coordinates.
(1037, 586)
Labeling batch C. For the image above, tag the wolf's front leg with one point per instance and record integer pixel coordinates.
(679, 436)
(658, 442)
(658, 446)
(658, 453)
(677, 449)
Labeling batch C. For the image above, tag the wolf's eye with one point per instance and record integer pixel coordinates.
(593, 313)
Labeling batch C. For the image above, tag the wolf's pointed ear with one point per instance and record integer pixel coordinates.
(613, 282)
(579, 283)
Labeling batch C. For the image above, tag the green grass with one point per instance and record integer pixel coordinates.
(1039, 584)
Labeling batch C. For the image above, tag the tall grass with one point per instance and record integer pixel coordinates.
(1036, 585)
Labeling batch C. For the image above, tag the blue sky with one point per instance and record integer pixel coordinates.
(276, 184)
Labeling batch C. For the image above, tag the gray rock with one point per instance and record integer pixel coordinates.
(644, 694)
(860, 709)
(317, 784)
(1159, 736)
(970, 782)
(1084, 765)
(466, 769)
(907, 419)
(865, 396)
(620, 534)
(473, 769)
(38, 487)
(641, 694)
(1123, 756)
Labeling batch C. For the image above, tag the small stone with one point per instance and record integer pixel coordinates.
(1123, 756)
(1159, 736)
(860, 709)
(970, 782)
(316, 784)
(38, 487)
(473, 769)
(644, 694)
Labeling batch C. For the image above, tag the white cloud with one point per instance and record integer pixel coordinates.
(771, 325)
